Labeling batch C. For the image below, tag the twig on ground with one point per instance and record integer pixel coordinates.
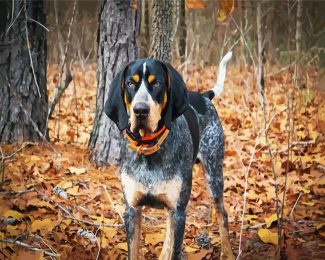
(92, 223)
(29, 247)
(290, 122)
(39, 132)
(69, 214)
(42, 240)
(294, 206)
(298, 143)
(321, 168)
(48, 199)
(11, 193)
(98, 242)
(15, 152)
(244, 198)
(108, 197)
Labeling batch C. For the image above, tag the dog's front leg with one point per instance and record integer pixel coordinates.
(172, 249)
(132, 220)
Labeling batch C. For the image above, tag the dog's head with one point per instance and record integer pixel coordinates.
(145, 95)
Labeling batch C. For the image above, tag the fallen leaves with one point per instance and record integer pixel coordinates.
(62, 203)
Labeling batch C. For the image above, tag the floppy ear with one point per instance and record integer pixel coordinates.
(177, 100)
(115, 107)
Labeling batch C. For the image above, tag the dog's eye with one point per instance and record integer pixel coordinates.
(156, 84)
(131, 84)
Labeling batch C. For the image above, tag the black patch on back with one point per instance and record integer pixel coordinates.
(197, 101)
(209, 94)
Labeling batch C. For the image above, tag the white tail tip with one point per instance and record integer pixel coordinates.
(218, 88)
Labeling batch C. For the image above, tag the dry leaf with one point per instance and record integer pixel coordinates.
(14, 214)
(195, 4)
(270, 220)
(123, 246)
(77, 171)
(44, 226)
(154, 239)
(226, 8)
(109, 232)
(267, 236)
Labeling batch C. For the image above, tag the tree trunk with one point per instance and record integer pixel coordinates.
(146, 26)
(23, 102)
(162, 29)
(118, 29)
(298, 43)
(182, 31)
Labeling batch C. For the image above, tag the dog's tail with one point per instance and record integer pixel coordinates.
(218, 87)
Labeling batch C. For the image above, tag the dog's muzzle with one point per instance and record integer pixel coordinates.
(141, 110)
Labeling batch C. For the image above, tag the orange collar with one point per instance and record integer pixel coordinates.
(148, 144)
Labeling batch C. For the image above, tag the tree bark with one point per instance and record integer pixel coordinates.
(119, 25)
(146, 26)
(23, 102)
(162, 29)
(182, 30)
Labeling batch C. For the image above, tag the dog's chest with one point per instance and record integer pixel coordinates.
(162, 193)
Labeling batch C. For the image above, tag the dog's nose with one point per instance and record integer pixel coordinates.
(141, 110)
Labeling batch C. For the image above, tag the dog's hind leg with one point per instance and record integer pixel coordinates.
(212, 165)
(226, 251)
(132, 219)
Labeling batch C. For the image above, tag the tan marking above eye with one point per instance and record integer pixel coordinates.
(151, 78)
(136, 78)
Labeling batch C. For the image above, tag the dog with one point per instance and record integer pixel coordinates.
(167, 130)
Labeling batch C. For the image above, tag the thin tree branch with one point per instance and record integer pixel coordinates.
(42, 25)
(12, 22)
(11, 193)
(26, 246)
(39, 132)
(29, 52)
(112, 203)
(294, 206)
(6, 157)
(68, 78)
(245, 42)
(94, 224)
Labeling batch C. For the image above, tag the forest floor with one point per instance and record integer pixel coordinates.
(64, 207)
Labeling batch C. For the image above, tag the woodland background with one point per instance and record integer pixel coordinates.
(64, 207)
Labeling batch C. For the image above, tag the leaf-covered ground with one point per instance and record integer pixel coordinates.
(63, 207)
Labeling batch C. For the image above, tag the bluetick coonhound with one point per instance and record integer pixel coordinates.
(167, 130)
